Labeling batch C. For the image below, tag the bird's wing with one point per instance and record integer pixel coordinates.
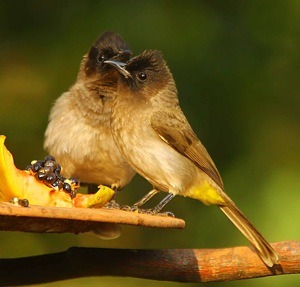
(173, 128)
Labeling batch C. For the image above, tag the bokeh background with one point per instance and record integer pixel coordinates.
(236, 64)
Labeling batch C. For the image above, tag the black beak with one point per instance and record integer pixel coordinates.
(122, 56)
(120, 66)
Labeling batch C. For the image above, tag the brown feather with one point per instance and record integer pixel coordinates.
(263, 248)
(176, 132)
(155, 100)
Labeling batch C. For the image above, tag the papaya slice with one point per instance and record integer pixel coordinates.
(16, 183)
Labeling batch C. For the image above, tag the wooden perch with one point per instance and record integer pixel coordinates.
(179, 265)
(75, 220)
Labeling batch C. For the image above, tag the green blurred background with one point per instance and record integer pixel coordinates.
(236, 64)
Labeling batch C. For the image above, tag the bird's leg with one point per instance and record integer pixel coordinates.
(161, 205)
(143, 200)
(157, 208)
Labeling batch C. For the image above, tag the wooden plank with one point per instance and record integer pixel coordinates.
(75, 220)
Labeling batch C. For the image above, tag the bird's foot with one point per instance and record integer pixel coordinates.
(125, 207)
(113, 205)
(150, 211)
(115, 186)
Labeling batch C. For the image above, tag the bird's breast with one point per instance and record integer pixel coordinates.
(85, 151)
(150, 156)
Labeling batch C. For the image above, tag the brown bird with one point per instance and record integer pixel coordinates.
(78, 134)
(154, 136)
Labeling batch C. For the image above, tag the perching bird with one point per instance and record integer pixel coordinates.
(154, 136)
(78, 134)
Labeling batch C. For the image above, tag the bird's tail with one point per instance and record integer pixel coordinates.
(263, 248)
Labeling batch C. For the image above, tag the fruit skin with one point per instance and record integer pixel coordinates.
(23, 185)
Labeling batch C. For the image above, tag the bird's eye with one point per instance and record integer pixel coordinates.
(142, 76)
(100, 58)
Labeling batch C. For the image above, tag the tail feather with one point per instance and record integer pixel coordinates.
(263, 248)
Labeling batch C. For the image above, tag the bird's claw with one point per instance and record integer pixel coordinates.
(125, 207)
(150, 211)
(113, 205)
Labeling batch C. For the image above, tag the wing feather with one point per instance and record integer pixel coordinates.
(173, 128)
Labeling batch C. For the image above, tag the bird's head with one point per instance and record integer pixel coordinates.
(144, 76)
(109, 46)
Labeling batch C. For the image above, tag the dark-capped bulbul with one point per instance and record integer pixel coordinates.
(156, 139)
(78, 134)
